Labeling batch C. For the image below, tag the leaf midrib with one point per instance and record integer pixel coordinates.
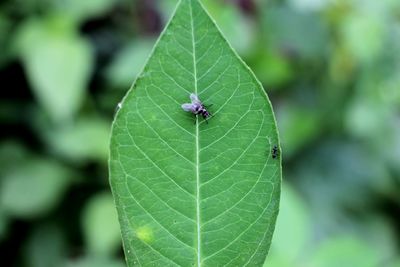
(197, 144)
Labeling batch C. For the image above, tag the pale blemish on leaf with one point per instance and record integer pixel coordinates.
(145, 233)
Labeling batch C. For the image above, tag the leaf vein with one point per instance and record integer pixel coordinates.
(166, 114)
(154, 219)
(162, 139)
(239, 235)
(239, 157)
(162, 200)
(171, 78)
(158, 167)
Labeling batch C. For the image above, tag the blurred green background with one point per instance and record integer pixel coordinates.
(330, 67)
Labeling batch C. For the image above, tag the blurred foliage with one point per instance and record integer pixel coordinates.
(100, 225)
(54, 56)
(331, 69)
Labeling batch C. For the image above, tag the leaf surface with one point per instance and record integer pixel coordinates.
(195, 194)
(58, 63)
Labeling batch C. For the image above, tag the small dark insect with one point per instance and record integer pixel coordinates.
(275, 152)
(196, 107)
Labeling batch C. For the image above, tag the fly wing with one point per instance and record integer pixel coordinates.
(188, 107)
(194, 98)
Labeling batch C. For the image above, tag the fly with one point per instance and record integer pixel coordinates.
(196, 107)
(275, 152)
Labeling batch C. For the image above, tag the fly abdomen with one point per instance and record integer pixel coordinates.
(204, 113)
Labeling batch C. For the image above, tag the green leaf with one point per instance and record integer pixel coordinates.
(301, 33)
(363, 31)
(84, 140)
(81, 10)
(237, 28)
(290, 243)
(345, 251)
(58, 63)
(99, 214)
(195, 194)
(129, 62)
(33, 188)
(395, 263)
